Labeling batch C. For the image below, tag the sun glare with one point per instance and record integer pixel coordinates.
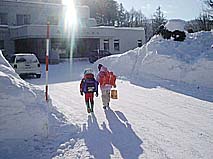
(70, 25)
(70, 14)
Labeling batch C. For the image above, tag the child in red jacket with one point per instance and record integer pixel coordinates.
(88, 86)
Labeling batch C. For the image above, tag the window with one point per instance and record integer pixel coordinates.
(1, 44)
(3, 18)
(106, 45)
(139, 43)
(22, 19)
(53, 20)
(26, 58)
(116, 45)
(84, 22)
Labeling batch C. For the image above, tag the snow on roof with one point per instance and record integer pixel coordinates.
(118, 28)
(24, 54)
(176, 24)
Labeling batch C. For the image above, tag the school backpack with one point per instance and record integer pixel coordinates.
(106, 77)
(90, 85)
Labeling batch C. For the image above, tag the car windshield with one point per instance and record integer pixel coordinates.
(26, 58)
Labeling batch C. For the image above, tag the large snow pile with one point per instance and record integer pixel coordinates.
(190, 61)
(23, 110)
(175, 24)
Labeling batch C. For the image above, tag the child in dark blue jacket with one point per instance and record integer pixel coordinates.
(89, 86)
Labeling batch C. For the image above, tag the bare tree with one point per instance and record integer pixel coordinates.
(158, 19)
(209, 8)
(210, 3)
(203, 22)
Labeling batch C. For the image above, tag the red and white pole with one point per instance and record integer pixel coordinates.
(47, 58)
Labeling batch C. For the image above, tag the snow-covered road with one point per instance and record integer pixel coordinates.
(151, 123)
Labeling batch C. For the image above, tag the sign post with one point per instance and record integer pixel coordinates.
(47, 58)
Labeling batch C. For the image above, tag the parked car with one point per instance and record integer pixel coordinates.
(26, 64)
(97, 54)
(53, 57)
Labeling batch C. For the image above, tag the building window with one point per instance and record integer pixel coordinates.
(53, 20)
(3, 19)
(1, 44)
(22, 19)
(106, 45)
(139, 43)
(116, 45)
(84, 22)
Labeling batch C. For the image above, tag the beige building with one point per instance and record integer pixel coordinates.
(23, 27)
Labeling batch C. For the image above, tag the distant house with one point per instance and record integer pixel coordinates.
(23, 26)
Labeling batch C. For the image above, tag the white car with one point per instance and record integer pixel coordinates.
(26, 64)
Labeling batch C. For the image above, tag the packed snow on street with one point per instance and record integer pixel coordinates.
(164, 107)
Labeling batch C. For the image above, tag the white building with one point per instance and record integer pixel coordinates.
(23, 27)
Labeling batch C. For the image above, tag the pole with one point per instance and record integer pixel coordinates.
(47, 58)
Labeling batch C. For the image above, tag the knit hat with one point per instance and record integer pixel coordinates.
(88, 71)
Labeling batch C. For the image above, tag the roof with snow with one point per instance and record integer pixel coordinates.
(176, 24)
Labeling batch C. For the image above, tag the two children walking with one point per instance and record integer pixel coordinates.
(89, 86)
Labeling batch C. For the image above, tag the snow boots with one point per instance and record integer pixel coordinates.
(106, 106)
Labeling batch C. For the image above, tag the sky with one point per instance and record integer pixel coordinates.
(172, 9)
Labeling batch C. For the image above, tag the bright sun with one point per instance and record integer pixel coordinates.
(70, 16)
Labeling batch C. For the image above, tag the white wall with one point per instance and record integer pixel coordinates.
(128, 37)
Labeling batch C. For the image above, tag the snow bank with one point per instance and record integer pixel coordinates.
(23, 110)
(190, 61)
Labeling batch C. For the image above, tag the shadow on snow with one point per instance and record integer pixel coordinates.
(100, 141)
(196, 91)
(61, 138)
